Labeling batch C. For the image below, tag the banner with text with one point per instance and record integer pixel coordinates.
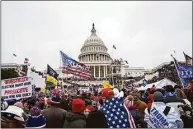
(184, 72)
(71, 66)
(16, 88)
(157, 119)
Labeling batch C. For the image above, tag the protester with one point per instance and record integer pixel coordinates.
(171, 98)
(165, 116)
(129, 101)
(96, 119)
(139, 122)
(88, 109)
(36, 119)
(76, 118)
(55, 116)
(12, 117)
(139, 104)
(116, 113)
(64, 104)
(4, 104)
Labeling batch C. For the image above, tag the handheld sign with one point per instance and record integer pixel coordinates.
(16, 88)
(157, 119)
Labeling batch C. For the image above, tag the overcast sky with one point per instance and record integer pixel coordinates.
(145, 33)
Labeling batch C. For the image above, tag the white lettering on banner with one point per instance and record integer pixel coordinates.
(157, 119)
(16, 88)
(186, 74)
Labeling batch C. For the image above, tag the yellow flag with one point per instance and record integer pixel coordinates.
(51, 79)
(107, 85)
(43, 89)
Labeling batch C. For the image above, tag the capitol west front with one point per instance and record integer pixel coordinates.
(94, 54)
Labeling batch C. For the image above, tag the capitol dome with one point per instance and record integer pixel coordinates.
(95, 46)
(94, 54)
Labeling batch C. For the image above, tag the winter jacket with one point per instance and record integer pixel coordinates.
(172, 117)
(174, 102)
(139, 122)
(74, 120)
(134, 112)
(96, 119)
(141, 106)
(55, 117)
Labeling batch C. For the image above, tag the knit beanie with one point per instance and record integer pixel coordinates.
(36, 119)
(78, 105)
(35, 111)
(158, 96)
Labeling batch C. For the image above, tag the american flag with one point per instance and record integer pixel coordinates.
(74, 67)
(116, 114)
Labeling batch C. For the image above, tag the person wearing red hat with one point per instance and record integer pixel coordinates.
(76, 118)
(107, 93)
(88, 109)
(55, 116)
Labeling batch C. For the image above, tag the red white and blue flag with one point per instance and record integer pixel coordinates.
(184, 72)
(71, 66)
(116, 114)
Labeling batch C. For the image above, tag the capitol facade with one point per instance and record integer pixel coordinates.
(94, 54)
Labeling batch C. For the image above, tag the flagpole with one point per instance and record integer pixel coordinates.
(177, 71)
(112, 68)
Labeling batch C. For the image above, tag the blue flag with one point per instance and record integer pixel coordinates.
(184, 72)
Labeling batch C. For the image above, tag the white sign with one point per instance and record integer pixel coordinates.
(84, 89)
(16, 88)
(157, 119)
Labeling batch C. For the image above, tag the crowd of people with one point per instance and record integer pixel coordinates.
(108, 108)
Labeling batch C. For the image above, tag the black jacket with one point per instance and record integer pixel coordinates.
(74, 120)
(172, 99)
(96, 119)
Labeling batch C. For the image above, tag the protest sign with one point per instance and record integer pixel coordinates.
(157, 119)
(16, 88)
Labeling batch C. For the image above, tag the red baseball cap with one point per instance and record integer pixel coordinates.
(106, 92)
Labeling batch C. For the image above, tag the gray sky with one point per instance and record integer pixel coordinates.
(145, 33)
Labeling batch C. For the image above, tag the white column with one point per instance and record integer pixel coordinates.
(104, 71)
(94, 71)
(99, 72)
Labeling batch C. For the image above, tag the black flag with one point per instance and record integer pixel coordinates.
(52, 72)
